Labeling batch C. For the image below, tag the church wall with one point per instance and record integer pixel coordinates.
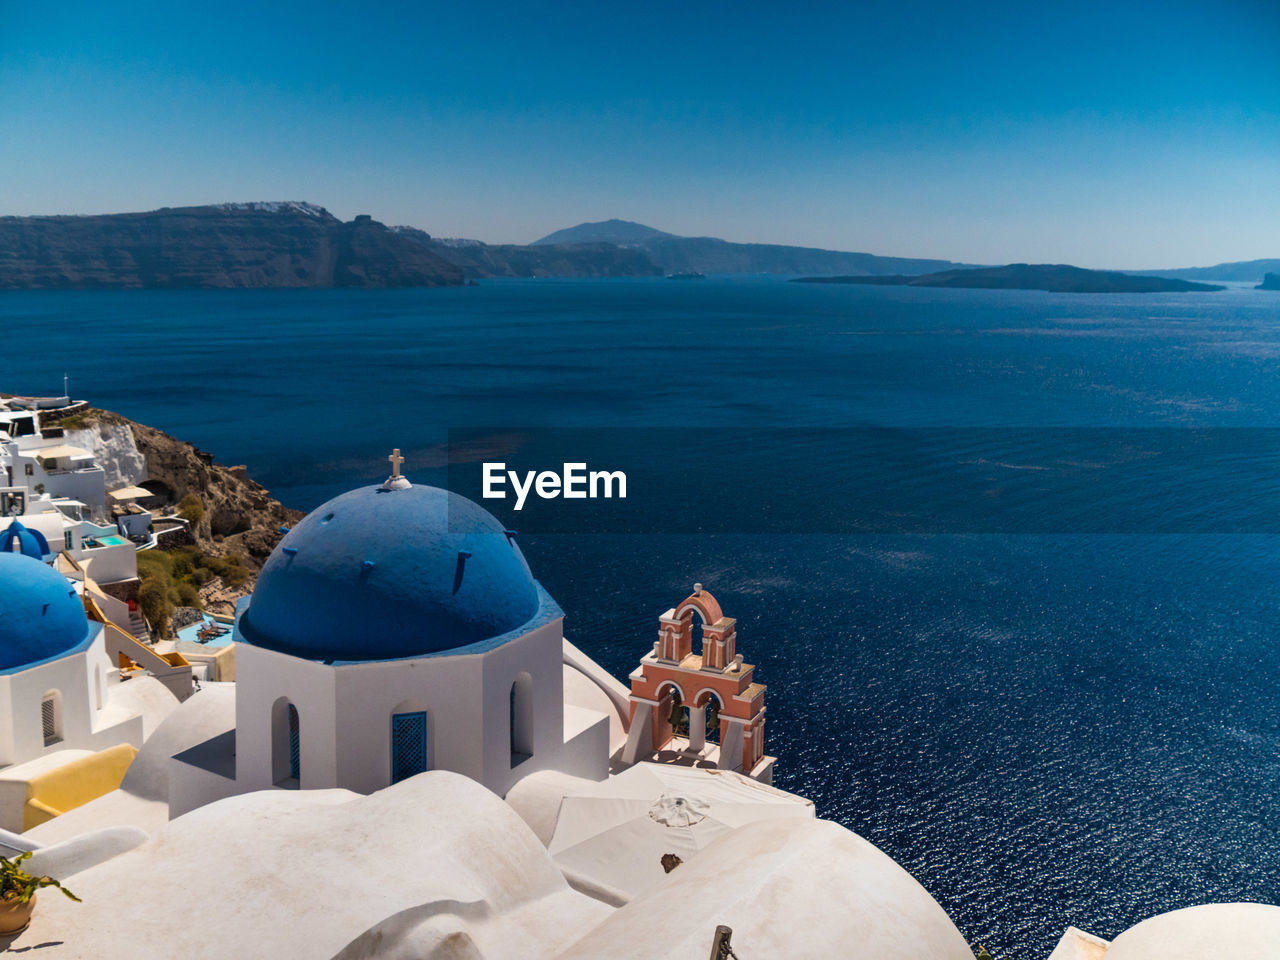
(540, 654)
(264, 677)
(447, 688)
(28, 687)
(73, 676)
(7, 752)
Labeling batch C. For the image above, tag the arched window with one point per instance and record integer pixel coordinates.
(51, 717)
(711, 705)
(678, 715)
(695, 632)
(408, 744)
(521, 720)
(521, 716)
(286, 745)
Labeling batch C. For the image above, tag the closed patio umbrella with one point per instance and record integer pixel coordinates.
(616, 832)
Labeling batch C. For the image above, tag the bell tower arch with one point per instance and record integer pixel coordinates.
(712, 677)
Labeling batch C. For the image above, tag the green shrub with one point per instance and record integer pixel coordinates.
(153, 599)
(154, 562)
(191, 509)
(186, 595)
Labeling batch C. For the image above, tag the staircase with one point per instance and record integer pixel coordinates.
(138, 626)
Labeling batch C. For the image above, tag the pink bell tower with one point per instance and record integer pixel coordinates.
(673, 676)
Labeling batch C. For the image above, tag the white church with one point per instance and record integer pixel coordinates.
(414, 762)
(397, 629)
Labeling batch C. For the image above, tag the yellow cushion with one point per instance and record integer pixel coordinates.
(75, 783)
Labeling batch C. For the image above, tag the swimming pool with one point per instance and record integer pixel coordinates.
(192, 633)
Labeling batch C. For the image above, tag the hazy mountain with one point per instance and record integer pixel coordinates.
(621, 232)
(479, 260)
(674, 254)
(1244, 271)
(1054, 277)
(225, 245)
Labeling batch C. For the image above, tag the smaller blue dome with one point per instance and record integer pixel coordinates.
(41, 618)
(29, 543)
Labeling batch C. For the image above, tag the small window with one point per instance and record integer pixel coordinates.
(31, 470)
(50, 720)
(521, 717)
(295, 744)
(408, 745)
(286, 745)
(66, 538)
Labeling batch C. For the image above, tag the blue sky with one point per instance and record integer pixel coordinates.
(1102, 134)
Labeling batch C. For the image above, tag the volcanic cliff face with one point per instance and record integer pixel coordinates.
(239, 516)
(226, 245)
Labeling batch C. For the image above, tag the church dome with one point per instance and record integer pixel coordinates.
(41, 618)
(386, 572)
(18, 539)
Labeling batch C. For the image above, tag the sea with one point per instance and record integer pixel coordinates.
(1063, 719)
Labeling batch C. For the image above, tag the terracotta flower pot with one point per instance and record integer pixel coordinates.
(14, 915)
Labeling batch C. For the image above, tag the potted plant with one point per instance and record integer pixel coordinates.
(18, 893)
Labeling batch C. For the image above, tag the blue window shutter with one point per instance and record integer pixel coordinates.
(408, 745)
(295, 761)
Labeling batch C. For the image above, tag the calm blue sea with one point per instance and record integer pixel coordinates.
(1044, 729)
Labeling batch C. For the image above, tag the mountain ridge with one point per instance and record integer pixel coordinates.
(268, 244)
(1238, 271)
(619, 232)
(673, 254)
(479, 260)
(299, 244)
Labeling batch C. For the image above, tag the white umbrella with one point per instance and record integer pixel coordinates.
(617, 832)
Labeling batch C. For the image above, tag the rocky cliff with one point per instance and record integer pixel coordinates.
(238, 515)
(1270, 282)
(225, 245)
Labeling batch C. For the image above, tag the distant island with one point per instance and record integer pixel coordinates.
(1237, 271)
(297, 244)
(673, 254)
(1054, 278)
(1270, 282)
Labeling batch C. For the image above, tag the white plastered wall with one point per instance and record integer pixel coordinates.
(344, 718)
(81, 679)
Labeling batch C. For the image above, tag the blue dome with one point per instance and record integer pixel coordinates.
(41, 618)
(381, 574)
(29, 543)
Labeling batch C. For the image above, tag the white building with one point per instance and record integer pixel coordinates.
(56, 709)
(59, 491)
(396, 629)
(49, 465)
